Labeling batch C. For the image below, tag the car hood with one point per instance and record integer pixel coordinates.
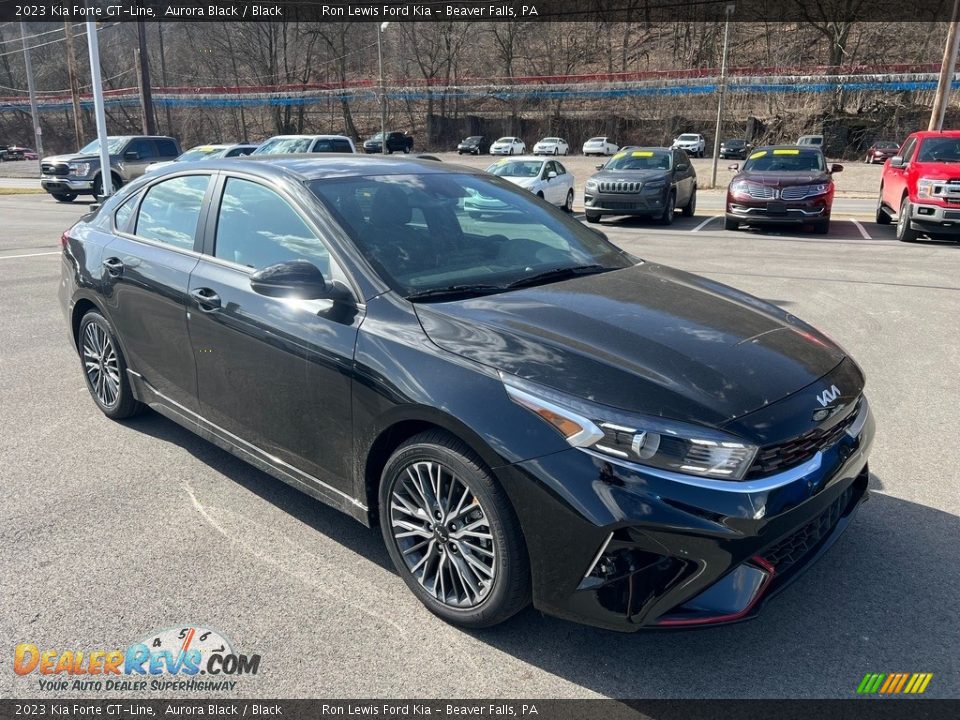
(630, 175)
(72, 157)
(646, 339)
(783, 179)
(935, 170)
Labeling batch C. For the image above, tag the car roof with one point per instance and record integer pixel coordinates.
(313, 166)
(304, 137)
(527, 158)
(802, 149)
(937, 133)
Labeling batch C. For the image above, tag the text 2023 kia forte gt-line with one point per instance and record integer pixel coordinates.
(528, 412)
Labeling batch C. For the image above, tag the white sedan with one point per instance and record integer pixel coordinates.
(508, 146)
(600, 146)
(547, 179)
(551, 146)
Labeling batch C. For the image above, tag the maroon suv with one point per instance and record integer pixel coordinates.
(782, 185)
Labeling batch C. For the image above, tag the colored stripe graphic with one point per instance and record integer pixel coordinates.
(894, 683)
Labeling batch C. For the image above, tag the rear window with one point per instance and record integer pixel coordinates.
(332, 145)
(166, 147)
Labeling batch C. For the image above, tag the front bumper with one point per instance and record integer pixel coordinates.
(940, 219)
(624, 547)
(644, 204)
(762, 212)
(500, 151)
(62, 184)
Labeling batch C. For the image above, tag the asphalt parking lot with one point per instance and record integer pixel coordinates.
(109, 531)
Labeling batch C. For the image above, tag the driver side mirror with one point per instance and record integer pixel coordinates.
(551, 175)
(682, 167)
(600, 166)
(897, 161)
(131, 155)
(835, 168)
(734, 167)
(290, 279)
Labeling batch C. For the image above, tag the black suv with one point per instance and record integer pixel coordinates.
(652, 182)
(396, 142)
(66, 176)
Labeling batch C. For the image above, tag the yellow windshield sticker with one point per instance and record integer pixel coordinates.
(758, 154)
(618, 156)
(206, 148)
(642, 153)
(786, 152)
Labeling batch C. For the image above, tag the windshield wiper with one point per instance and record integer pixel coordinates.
(558, 274)
(455, 290)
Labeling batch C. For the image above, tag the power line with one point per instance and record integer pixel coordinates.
(53, 42)
(36, 35)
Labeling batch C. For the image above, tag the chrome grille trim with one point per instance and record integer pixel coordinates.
(619, 186)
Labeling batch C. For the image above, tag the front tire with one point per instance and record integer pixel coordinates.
(729, 224)
(568, 203)
(65, 197)
(451, 532)
(883, 217)
(104, 368)
(822, 227)
(904, 232)
(669, 210)
(592, 217)
(691, 206)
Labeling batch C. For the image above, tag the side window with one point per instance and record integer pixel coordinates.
(171, 209)
(166, 147)
(257, 228)
(143, 147)
(551, 167)
(908, 149)
(238, 152)
(561, 170)
(122, 215)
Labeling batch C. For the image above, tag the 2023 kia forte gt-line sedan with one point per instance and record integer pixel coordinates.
(528, 412)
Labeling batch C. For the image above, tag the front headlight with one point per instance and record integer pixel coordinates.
(741, 188)
(926, 187)
(79, 168)
(655, 185)
(652, 441)
(591, 185)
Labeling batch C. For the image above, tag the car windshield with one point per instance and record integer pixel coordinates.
(945, 149)
(516, 168)
(641, 160)
(596, 140)
(202, 152)
(113, 146)
(550, 140)
(785, 160)
(280, 145)
(473, 139)
(377, 136)
(505, 140)
(688, 137)
(436, 234)
(887, 145)
(734, 143)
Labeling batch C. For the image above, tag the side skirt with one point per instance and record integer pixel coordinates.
(278, 469)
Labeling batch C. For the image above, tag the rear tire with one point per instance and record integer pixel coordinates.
(905, 233)
(430, 475)
(65, 197)
(729, 224)
(104, 368)
(691, 206)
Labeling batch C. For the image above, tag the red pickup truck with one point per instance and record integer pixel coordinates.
(920, 187)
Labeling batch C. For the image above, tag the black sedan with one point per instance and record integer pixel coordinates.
(474, 145)
(528, 412)
(734, 149)
(649, 182)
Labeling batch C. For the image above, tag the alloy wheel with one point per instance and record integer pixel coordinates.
(443, 535)
(101, 364)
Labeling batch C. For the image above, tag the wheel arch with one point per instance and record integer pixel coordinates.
(396, 430)
(81, 307)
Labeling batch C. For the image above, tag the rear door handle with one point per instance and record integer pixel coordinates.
(113, 266)
(206, 298)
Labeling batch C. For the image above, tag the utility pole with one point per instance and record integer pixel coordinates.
(941, 100)
(93, 46)
(723, 92)
(383, 94)
(163, 79)
(34, 116)
(143, 77)
(74, 83)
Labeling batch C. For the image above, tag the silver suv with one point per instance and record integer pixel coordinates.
(66, 176)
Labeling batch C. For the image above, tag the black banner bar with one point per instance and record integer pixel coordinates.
(151, 709)
(639, 11)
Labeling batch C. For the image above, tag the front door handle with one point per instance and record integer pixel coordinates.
(206, 298)
(113, 266)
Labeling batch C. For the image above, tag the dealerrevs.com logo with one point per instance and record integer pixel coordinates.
(186, 658)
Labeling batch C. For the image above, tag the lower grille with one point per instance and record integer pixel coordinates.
(792, 549)
(619, 205)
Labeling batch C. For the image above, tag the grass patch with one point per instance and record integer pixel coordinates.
(21, 191)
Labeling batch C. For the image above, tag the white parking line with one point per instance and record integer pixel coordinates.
(706, 222)
(12, 257)
(862, 229)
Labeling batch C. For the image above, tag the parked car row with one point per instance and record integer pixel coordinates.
(15, 152)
